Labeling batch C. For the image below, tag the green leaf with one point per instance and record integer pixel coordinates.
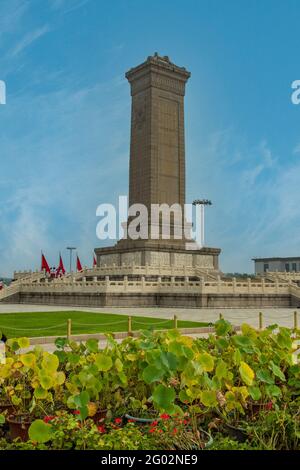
(60, 343)
(45, 380)
(164, 396)
(118, 365)
(23, 342)
(208, 398)
(206, 361)
(169, 360)
(283, 338)
(255, 393)
(82, 399)
(40, 393)
(13, 344)
(92, 345)
(152, 374)
(84, 412)
(243, 342)
(221, 370)
(103, 362)
(237, 357)
(222, 343)
(277, 371)
(28, 359)
(50, 362)
(2, 419)
(273, 391)
(184, 397)
(247, 330)
(222, 327)
(264, 376)
(40, 431)
(246, 373)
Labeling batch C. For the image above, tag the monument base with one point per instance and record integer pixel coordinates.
(204, 258)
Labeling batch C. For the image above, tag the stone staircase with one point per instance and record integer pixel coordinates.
(15, 286)
(8, 291)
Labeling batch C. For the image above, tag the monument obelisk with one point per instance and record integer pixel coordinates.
(157, 166)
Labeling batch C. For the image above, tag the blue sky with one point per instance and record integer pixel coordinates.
(64, 132)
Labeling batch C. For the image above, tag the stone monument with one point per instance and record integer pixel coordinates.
(157, 168)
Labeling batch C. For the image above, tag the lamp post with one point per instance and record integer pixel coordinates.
(202, 203)
(71, 249)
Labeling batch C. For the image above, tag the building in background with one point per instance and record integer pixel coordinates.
(263, 265)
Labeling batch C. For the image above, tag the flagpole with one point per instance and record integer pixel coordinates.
(71, 248)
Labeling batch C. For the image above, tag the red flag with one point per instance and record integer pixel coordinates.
(79, 267)
(45, 265)
(61, 269)
(94, 261)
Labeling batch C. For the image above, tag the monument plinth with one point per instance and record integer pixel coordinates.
(157, 168)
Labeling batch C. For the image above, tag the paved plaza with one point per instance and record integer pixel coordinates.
(237, 316)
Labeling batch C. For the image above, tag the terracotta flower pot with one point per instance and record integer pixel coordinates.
(100, 415)
(18, 426)
(5, 407)
(257, 407)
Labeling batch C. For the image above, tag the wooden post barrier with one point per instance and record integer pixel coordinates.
(69, 329)
(295, 320)
(260, 320)
(129, 326)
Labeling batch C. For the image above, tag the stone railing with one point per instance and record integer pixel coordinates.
(30, 276)
(162, 270)
(295, 291)
(146, 286)
(283, 276)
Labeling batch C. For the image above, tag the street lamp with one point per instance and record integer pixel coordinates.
(202, 203)
(71, 249)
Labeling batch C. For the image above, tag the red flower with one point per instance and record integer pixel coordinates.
(48, 418)
(154, 423)
(118, 420)
(174, 430)
(185, 422)
(269, 405)
(152, 430)
(101, 429)
(76, 412)
(165, 416)
(131, 421)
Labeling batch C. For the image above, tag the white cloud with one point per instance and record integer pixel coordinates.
(71, 159)
(12, 13)
(255, 198)
(67, 5)
(29, 39)
(296, 149)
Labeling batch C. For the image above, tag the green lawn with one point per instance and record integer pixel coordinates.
(55, 323)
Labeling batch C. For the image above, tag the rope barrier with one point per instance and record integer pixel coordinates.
(99, 324)
(156, 323)
(33, 329)
(229, 317)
